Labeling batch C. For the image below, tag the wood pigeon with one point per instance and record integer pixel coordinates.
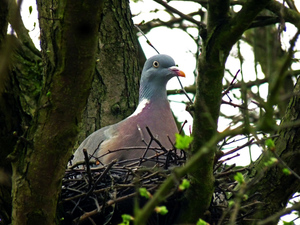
(124, 140)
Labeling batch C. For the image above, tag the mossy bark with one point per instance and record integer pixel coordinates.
(275, 187)
(20, 79)
(69, 33)
(114, 93)
(222, 33)
(88, 68)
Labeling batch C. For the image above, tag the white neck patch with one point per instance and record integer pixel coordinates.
(140, 107)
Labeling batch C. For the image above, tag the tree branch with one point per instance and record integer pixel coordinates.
(287, 14)
(178, 173)
(18, 25)
(146, 27)
(274, 218)
(182, 15)
(241, 21)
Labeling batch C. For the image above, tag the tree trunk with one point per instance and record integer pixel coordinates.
(69, 38)
(114, 93)
(89, 80)
(222, 33)
(275, 188)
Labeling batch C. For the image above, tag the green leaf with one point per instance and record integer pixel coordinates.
(126, 219)
(184, 185)
(183, 142)
(288, 223)
(239, 178)
(270, 144)
(201, 222)
(271, 161)
(162, 210)
(144, 193)
(30, 9)
(286, 171)
(230, 203)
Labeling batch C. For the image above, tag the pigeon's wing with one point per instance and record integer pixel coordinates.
(93, 144)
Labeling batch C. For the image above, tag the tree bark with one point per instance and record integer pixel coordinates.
(222, 33)
(274, 187)
(69, 33)
(90, 68)
(114, 93)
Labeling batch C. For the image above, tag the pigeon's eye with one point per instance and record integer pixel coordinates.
(156, 64)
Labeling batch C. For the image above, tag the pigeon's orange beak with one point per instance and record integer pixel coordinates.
(179, 72)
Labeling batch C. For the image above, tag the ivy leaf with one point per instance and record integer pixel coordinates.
(183, 142)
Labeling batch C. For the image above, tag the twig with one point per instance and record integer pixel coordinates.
(142, 135)
(285, 165)
(276, 216)
(186, 94)
(231, 86)
(88, 170)
(147, 40)
(157, 141)
(230, 172)
(182, 15)
(233, 104)
(101, 176)
(181, 128)
(239, 147)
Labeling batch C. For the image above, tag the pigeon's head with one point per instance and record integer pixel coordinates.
(157, 71)
(160, 69)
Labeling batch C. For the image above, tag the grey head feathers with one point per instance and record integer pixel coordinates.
(157, 71)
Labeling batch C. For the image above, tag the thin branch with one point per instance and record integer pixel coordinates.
(274, 218)
(287, 14)
(172, 23)
(164, 189)
(182, 89)
(88, 170)
(239, 147)
(17, 24)
(182, 15)
(231, 86)
(241, 21)
(285, 165)
(148, 42)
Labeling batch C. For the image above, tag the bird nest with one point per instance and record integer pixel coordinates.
(100, 194)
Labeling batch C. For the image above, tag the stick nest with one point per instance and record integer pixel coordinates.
(100, 194)
(95, 192)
